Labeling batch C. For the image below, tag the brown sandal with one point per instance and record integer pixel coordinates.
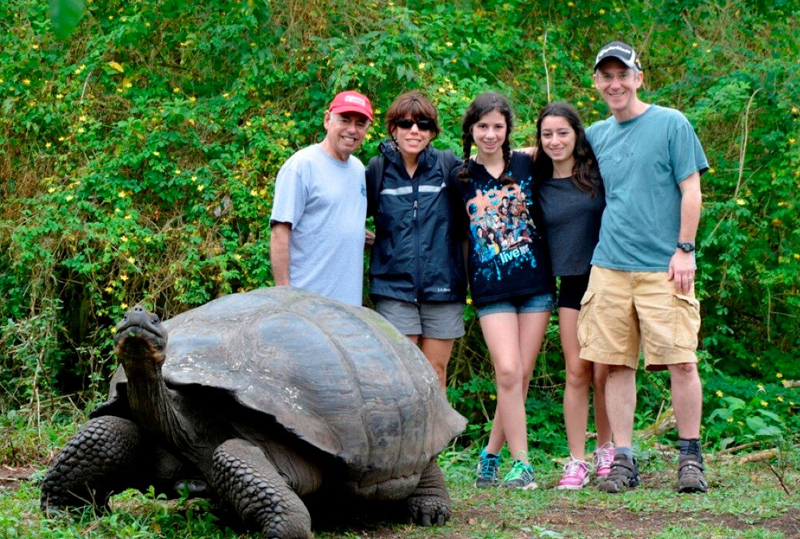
(624, 474)
(690, 475)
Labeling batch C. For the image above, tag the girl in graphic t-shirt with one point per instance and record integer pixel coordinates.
(512, 289)
(571, 201)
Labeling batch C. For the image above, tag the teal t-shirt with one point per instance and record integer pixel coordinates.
(642, 161)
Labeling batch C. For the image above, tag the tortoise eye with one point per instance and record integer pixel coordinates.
(155, 320)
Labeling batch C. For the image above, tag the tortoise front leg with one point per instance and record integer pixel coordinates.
(248, 482)
(430, 502)
(100, 460)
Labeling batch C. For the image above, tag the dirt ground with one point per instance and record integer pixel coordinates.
(564, 517)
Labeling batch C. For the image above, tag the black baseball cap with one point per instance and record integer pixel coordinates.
(621, 51)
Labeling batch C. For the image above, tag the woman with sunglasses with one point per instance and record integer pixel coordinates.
(417, 277)
(571, 200)
(512, 289)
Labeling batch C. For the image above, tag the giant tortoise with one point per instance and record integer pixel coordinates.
(258, 400)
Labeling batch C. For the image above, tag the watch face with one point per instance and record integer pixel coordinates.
(686, 246)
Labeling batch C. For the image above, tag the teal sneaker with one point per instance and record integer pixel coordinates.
(521, 476)
(487, 470)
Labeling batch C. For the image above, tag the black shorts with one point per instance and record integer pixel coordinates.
(571, 290)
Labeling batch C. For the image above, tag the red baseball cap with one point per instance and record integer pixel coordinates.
(351, 101)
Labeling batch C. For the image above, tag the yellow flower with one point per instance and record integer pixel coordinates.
(51, 190)
(131, 259)
(192, 99)
(719, 393)
(121, 194)
(493, 397)
(111, 17)
(421, 66)
(35, 46)
(779, 375)
(147, 239)
(760, 387)
(123, 305)
(26, 82)
(469, 301)
(127, 217)
(81, 130)
(449, 43)
(740, 423)
(741, 202)
(237, 257)
(254, 193)
(123, 277)
(59, 96)
(48, 144)
(730, 420)
(201, 187)
(69, 197)
(193, 178)
(764, 403)
(791, 140)
(226, 95)
(61, 139)
(176, 90)
(711, 170)
(177, 171)
(109, 290)
(780, 399)
(795, 110)
(124, 238)
(602, 12)
(147, 25)
(82, 118)
(694, 45)
(156, 154)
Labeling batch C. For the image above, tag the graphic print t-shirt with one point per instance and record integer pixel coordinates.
(507, 257)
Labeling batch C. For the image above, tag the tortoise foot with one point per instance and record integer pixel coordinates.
(247, 481)
(98, 461)
(429, 505)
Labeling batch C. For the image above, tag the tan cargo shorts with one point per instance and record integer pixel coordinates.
(623, 312)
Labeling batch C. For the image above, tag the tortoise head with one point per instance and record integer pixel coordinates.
(140, 335)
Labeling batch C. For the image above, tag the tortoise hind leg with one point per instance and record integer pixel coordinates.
(248, 482)
(98, 461)
(429, 504)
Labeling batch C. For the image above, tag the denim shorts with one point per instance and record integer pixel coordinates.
(533, 303)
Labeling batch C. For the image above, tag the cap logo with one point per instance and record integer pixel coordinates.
(610, 48)
(355, 100)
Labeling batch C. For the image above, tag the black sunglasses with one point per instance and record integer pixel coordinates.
(424, 124)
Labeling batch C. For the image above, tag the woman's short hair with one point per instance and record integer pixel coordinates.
(412, 105)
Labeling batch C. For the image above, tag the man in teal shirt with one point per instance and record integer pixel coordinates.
(641, 290)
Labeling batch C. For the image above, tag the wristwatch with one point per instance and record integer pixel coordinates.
(686, 246)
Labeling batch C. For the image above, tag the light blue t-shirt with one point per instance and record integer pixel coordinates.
(642, 161)
(325, 201)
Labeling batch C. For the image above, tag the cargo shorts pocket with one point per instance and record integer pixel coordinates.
(586, 319)
(687, 321)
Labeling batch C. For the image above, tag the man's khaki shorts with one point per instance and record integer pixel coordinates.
(622, 311)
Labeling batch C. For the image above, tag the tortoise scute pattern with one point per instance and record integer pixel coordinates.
(93, 465)
(252, 487)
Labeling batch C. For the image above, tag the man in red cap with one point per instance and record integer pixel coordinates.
(320, 205)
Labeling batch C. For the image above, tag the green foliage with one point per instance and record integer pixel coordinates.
(138, 157)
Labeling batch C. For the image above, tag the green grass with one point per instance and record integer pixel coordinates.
(744, 501)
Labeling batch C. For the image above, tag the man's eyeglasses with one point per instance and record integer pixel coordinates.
(424, 124)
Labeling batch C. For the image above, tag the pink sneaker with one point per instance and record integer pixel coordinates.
(603, 457)
(576, 475)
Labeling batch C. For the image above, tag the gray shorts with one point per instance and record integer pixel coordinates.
(430, 319)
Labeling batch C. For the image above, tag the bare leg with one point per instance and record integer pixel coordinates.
(579, 377)
(599, 377)
(438, 353)
(687, 399)
(513, 341)
(621, 403)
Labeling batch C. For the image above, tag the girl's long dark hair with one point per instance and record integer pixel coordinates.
(585, 174)
(482, 105)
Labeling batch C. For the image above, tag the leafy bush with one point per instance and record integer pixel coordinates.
(138, 157)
